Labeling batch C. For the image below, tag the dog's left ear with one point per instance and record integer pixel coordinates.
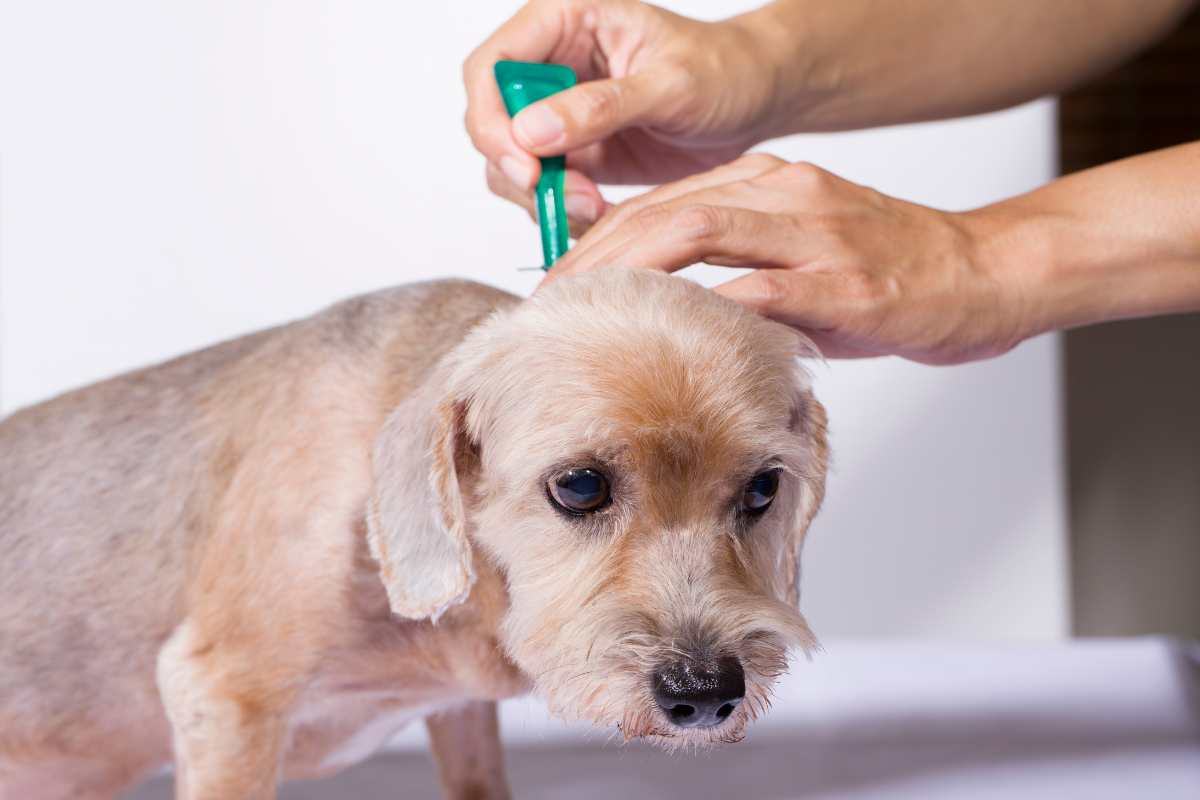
(416, 520)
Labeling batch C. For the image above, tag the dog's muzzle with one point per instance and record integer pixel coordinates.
(699, 694)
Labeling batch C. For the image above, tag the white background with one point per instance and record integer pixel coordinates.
(175, 173)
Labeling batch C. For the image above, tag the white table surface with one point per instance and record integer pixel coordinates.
(1092, 719)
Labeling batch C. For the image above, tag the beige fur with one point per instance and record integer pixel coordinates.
(262, 557)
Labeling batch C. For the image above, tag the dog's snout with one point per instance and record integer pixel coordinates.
(697, 694)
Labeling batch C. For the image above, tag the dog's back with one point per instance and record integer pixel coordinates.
(104, 493)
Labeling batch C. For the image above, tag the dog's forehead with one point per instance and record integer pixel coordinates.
(658, 390)
(662, 408)
(642, 361)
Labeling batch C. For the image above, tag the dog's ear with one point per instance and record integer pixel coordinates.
(809, 423)
(416, 520)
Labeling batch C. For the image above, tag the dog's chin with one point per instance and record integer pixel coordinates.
(649, 725)
(623, 704)
(640, 719)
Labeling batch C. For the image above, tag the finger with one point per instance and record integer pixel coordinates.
(751, 165)
(830, 346)
(488, 126)
(635, 158)
(808, 300)
(668, 239)
(591, 111)
(737, 224)
(529, 35)
(617, 226)
(501, 186)
(583, 201)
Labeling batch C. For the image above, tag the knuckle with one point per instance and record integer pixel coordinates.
(761, 161)
(804, 175)
(470, 66)
(640, 212)
(682, 79)
(889, 288)
(492, 175)
(867, 291)
(600, 103)
(623, 212)
(619, 211)
(475, 131)
(859, 285)
(699, 223)
(680, 95)
(769, 287)
(540, 6)
(485, 134)
(648, 217)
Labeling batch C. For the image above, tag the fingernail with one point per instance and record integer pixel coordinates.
(582, 208)
(538, 126)
(517, 171)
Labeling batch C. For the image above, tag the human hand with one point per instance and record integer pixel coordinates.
(861, 273)
(661, 96)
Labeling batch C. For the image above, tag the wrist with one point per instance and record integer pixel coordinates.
(1011, 250)
(792, 73)
(1063, 270)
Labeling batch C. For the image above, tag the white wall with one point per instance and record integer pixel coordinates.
(175, 173)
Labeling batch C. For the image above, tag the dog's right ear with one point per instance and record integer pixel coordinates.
(416, 526)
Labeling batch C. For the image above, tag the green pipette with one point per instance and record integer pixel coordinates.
(522, 84)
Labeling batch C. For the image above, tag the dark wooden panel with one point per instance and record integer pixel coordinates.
(1150, 103)
(1133, 388)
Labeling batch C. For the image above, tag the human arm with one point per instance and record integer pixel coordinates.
(865, 274)
(664, 96)
(863, 63)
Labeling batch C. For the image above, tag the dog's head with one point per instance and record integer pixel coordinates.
(640, 458)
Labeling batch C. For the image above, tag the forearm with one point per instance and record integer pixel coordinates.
(861, 63)
(1118, 241)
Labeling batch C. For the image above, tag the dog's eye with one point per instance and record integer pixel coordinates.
(760, 491)
(579, 491)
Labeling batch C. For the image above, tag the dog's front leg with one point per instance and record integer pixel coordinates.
(227, 737)
(466, 746)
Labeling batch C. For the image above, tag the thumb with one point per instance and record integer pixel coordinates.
(588, 113)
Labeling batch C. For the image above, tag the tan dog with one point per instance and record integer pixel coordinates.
(268, 555)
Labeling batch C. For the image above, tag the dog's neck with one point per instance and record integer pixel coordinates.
(470, 631)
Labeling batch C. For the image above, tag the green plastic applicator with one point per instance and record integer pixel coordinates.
(522, 84)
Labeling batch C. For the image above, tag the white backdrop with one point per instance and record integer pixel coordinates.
(173, 173)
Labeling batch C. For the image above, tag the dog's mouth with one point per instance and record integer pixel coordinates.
(676, 692)
(652, 724)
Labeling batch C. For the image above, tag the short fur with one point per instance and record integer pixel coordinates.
(264, 557)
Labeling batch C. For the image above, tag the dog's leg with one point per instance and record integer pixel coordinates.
(466, 746)
(228, 737)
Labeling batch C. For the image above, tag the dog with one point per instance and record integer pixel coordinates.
(261, 559)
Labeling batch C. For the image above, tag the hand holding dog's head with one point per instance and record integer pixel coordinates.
(641, 459)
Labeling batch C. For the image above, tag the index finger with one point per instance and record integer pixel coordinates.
(529, 35)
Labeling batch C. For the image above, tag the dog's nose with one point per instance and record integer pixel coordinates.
(697, 694)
